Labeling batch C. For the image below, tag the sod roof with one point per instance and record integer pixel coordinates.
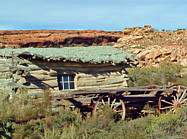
(93, 54)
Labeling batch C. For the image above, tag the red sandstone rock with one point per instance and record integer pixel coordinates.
(57, 38)
(152, 47)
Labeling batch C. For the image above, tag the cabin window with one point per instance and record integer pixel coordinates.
(66, 81)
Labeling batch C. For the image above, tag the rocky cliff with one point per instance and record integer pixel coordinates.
(153, 47)
(57, 38)
(148, 36)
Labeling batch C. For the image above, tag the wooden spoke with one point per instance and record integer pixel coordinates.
(108, 100)
(117, 106)
(164, 108)
(113, 102)
(179, 88)
(183, 101)
(166, 102)
(171, 110)
(103, 101)
(182, 96)
(124, 110)
(177, 97)
(174, 99)
(172, 104)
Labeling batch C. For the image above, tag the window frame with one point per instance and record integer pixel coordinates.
(61, 81)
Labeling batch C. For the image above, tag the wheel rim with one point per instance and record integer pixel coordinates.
(117, 106)
(171, 105)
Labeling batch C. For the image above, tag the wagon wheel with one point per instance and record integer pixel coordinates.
(117, 105)
(173, 103)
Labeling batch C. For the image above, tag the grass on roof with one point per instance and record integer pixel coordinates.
(93, 54)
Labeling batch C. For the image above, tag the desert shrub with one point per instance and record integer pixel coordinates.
(166, 126)
(66, 118)
(105, 127)
(52, 134)
(66, 133)
(98, 126)
(33, 128)
(67, 124)
(182, 80)
(163, 75)
(6, 129)
(21, 109)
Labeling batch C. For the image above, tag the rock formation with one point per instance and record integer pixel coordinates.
(153, 47)
(57, 38)
(147, 36)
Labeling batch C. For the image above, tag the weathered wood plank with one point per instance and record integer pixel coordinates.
(119, 90)
(36, 67)
(40, 77)
(42, 84)
(111, 86)
(68, 64)
(5, 75)
(4, 69)
(3, 61)
(101, 80)
(39, 72)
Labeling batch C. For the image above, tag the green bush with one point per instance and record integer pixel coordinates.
(68, 125)
(105, 127)
(6, 129)
(166, 73)
(66, 118)
(30, 129)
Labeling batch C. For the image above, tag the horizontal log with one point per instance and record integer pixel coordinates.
(99, 82)
(102, 75)
(40, 77)
(5, 61)
(4, 69)
(139, 99)
(5, 64)
(5, 80)
(68, 64)
(139, 96)
(111, 86)
(5, 75)
(93, 70)
(104, 83)
(72, 67)
(43, 84)
(39, 72)
(35, 67)
(38, 86)
(133, 90)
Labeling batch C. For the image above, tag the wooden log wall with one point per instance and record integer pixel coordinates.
(111, 80)
(5, 74)
(43, 75)
(35, 76)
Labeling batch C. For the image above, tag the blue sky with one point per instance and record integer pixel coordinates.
(92, 14)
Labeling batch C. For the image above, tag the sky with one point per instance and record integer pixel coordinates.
(92, 14)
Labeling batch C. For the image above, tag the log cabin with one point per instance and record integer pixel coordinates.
(65, 69)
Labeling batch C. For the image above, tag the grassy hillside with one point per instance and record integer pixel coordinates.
(21, 119)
